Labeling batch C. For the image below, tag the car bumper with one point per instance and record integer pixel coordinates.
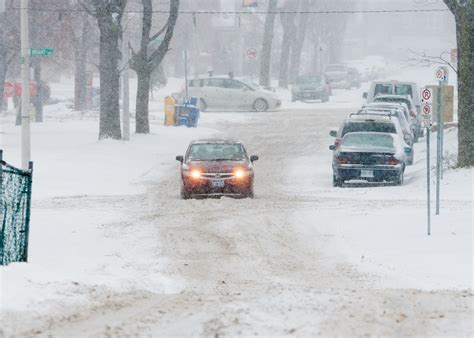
(231, 187)
(313, 94)
(371, 173)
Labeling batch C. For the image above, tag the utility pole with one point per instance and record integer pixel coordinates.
(25, 84)
(125, 82)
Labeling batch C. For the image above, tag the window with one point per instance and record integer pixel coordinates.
(233, 84)
(215, 83)
(382, 89)
(376, 140)
(403, 89)
(217, 152)
(379, 127)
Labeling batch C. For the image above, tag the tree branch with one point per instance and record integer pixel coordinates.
(87, 9)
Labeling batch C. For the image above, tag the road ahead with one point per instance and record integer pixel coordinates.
(261, 267)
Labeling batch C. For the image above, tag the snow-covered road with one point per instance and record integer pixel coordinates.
(272, 265)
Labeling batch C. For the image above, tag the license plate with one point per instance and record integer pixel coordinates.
(367, 173)
(217, 183)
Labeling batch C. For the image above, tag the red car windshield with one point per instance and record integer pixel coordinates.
(216, 152)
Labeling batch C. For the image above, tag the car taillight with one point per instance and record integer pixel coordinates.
(337, 143)
(412, 114)
(392, 161)
(343, 160)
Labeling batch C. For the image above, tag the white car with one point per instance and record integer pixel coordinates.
(226, 93)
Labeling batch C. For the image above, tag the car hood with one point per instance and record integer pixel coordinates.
(218, 166)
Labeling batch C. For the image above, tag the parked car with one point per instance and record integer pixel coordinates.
(396, 112)
(395, 88)
(227, 93)
(312, 87)
(370, 123)
(354, 77)
(396, 105)
(338, 75)
(414, 113)
(370, 156)
(215, 167)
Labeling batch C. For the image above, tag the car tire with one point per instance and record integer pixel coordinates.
(202, 105)
(411, 159)
(400, 179)
(336, 182)
(185, 195)
(249, 194)
(260, 105)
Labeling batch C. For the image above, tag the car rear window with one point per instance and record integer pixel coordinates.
(380, 127)
(373, 140)
(309, 80)
(393, 99)
(381, 88)
(403, 89)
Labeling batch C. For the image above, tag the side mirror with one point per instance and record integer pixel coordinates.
(333, 133)
(364, 95)
(332, 147)
(253, 158)
(180, 159)
(408, 150)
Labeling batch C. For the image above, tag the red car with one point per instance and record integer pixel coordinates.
(216, 168)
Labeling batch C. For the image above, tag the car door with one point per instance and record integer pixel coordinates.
(239, 94)
(214, 93)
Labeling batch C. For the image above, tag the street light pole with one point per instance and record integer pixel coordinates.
(125, 82)
(25, 85)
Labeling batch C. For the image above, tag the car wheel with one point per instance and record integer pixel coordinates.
(336, 182)
(202, 105)
(411, 159)
(260, 105)
(400, 179)
(249, 194)
(185, 195)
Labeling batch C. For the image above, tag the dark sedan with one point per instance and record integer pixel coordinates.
(369, 156)
(216, 168)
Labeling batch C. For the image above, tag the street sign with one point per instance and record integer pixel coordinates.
(427, 114)
(441, 74)
(249, 3)
(426, 95)
(2, 6)
(251, 53)
(41, 51)
(454, 55)
(9, 89)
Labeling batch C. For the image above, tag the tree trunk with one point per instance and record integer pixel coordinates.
(80, 76)
(265, 62)
(465, 43)
(297, 47)
(109, 125)
(38, 99)
(142, 125)
(287, 20)
(3, 74)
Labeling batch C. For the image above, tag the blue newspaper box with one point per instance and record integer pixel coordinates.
(188, 113)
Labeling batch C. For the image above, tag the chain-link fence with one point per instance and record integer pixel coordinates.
(15, 205)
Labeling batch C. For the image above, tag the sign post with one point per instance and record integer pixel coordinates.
(25, 80)
(427, 112)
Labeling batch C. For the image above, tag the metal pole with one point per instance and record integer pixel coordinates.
(186, 72)
(441, 142)
(428, 178)
(438, 147)
(125, 84)
(25, 83)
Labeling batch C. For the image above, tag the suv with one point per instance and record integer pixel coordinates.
(380, 123)
(220, 92)
(338, 75)
(394, 88)
(311, 87)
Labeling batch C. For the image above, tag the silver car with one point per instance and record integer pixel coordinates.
(226, 93)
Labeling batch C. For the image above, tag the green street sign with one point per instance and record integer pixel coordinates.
(41, 51)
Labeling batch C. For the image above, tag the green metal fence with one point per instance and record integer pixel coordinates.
(15, 207)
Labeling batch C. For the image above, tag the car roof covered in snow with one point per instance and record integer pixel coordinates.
(368, 117)
(215, 141)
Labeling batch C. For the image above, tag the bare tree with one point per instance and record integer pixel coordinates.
(145, 61)
(267, 44)
(297, 47)
(287, 18)
(463, 11)
(109, 17)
